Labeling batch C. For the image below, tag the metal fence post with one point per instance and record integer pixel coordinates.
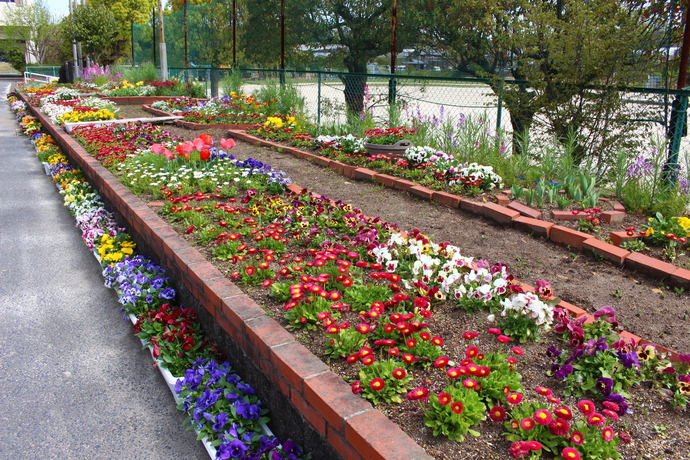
(499, 113)
(318, 100)
(677, 130)
(392, 90)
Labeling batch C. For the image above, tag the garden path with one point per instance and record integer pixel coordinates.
(76, 383)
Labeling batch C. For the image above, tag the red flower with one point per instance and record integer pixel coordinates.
(438, 341)
(205, 155)
(518, 351)
(377, 384)
(514, 398)
(418, 393)
(471, 352)
(457, 407)
(495, 331)
(441, 362)
(443, 398)
(596, 420)
(453, 372)
(353, 358)
(356, 387)
(497, 414)
(543, 417)
(543, 391)
(399, 373)
(470, 383)
(607, 433)
(563, 412)
(570, 453)
(527, 424)
(610, 414)
(503, 339)
(408, 358)
(469, 335)
(586, 407)
(368, 360)
(559, 427)
(577, 437)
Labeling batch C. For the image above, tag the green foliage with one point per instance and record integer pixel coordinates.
(95, 26)
(146, 71)
(283, 99)
(443, 420)
(232, 83)
(392, 387)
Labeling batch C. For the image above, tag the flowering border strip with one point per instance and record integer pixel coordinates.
(347, 422)
(191, 125)
(500, 214)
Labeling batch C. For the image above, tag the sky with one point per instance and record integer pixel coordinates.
(59, 8)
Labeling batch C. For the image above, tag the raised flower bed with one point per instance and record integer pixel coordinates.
(456, 407)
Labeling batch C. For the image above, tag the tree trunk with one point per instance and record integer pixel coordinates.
(215, 80)
(354, 86)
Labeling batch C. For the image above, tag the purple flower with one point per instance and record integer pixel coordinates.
(629, 359)
(604, 385)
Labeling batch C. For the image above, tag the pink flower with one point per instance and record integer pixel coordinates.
(377, 384)
(418, 393)
(607, 433)
(577, 437)
(527, 424)
(563, 412)
(443, 398)
(514, 398)
(227, 144)
(457, 407)
(596, 420)
(503, 339)
(441, 362)
(543, 417)
(469, 335)
(497, 414)
(493, 330)
(559, 427)
(586, 407)
(570, 453)
(399, 373)
(356, 387)
(543, 391)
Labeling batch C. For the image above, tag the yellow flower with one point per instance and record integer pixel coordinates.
(684, 222)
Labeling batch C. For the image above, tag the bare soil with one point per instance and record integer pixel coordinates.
(645, 307)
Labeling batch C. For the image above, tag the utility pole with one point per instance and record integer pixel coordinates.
(75, 56)
(282, 41)
(164, 56)
(394, 45)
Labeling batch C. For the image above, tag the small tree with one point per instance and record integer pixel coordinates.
(30, 28)
(97, 29)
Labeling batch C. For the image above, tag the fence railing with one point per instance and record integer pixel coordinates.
(656, 112)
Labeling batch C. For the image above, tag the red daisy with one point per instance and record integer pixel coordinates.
(577, 437)
(444, 398)
(514, 398)
(497, 414)
(527, 423)
(457, 407)
(543, 417)
(570, 453)
(377, 384)
(586, 407)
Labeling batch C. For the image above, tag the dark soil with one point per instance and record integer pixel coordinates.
(645, 307)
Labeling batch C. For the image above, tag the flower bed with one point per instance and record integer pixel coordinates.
(228, 431)
(454, 408)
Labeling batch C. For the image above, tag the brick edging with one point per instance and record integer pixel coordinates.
(347, 422)
(509, 216)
